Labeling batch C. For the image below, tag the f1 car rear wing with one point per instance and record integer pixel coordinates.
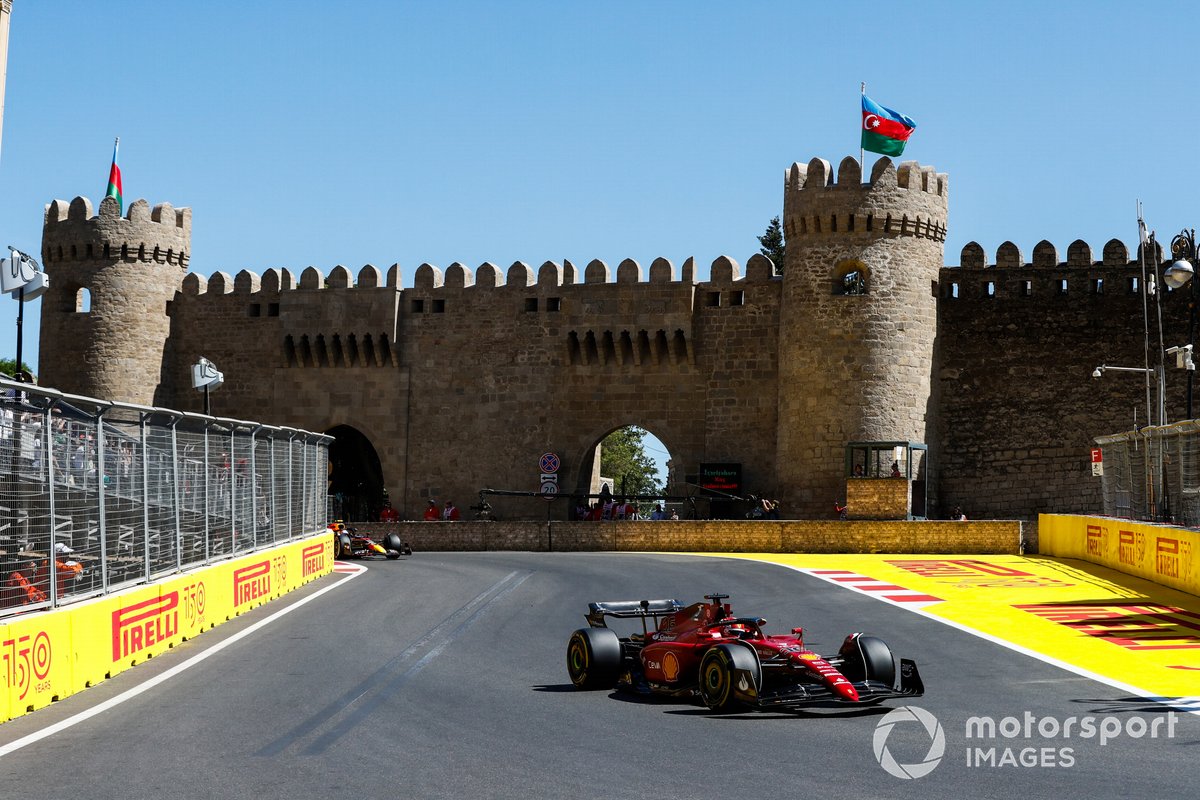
(630, 609)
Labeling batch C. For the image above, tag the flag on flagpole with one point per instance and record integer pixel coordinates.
(884, 130)
(114, 179)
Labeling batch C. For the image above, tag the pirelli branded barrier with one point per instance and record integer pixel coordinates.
(46, 656)
(1166, 555)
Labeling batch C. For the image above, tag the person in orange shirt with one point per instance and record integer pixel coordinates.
(387, 513)
(431, 512)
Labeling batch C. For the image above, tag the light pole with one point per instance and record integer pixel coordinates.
(206, 376)
(1179, 272)
(22, 277)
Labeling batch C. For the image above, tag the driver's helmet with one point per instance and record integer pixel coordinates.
(738, 629)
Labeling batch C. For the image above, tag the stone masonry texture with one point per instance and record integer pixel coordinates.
(462, 378)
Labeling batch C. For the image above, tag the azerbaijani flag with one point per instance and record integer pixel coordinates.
(883, 130)
(114, 179)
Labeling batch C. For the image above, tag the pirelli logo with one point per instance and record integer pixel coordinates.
(313, 559)
(1166, 557)
(1125, 548)
(140, 626)
(251, 583)
(1095, 541)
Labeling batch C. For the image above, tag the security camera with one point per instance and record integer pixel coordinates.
(1173, 350)
(1096, 372)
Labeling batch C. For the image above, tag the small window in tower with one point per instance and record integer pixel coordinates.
(990, 289)
(553, 304)
(418, 306)
(1028, 288)
(1134, 285)
(83, 301)
(439, 306)
(1062, 286)
(1097, 285)
(272, 309)
(952, 290)
(850, 278)
(531, 305)
(255, 309)
(737, 298)
(713, 300)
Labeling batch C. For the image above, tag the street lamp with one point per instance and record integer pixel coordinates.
(206, 376)
(1180, 272)
(21, 276)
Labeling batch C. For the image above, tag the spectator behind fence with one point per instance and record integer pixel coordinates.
(387, 513)
(431, 512)
(450, 513)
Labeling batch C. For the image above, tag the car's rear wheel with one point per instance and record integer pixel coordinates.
(728, 674)
(342, 548)
(594, 658)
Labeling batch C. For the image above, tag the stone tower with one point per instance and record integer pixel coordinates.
(858, 318)
(105, 318)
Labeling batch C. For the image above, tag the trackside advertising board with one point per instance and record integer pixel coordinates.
(48, 655)
(1166, 555)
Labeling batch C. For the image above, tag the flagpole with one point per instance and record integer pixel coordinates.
(863, 92)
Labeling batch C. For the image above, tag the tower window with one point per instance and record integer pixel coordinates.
(737, 298)
(713, 300)
(554, 304)
(531, 304)
(850, 278)
(418, 306)
(439, 306)
(83, 301)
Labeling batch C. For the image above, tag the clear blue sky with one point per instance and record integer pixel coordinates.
(318, 133)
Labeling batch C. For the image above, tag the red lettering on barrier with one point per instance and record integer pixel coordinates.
(313, 559)
(1125, 547)
(1095, 541)
(138, 626)
(1166, 561)
(251, 583)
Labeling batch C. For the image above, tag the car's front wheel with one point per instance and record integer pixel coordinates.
(729, 673)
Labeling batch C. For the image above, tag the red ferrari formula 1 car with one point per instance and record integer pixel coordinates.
(703, 649)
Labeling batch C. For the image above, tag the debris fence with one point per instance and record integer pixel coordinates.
(107, 495)
(1153, 474)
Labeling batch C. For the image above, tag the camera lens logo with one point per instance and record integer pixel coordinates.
(928, 723)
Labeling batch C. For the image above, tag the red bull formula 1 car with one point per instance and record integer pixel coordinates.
(703, 649)
(347, 543)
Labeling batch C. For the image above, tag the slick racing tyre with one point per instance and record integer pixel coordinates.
(395, 546)
(729, 674)
(342, 547)
(868, 658)
(594, 658)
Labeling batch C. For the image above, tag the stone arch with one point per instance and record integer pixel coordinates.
(589, 481)
(355, 475)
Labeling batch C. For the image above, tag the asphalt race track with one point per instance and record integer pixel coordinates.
(443, 676)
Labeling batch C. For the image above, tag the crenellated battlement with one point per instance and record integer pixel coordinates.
(70, 233)
(1080, 255)
(909, 200)
(427, 277)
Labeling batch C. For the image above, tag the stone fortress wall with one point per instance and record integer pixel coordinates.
(462, 379)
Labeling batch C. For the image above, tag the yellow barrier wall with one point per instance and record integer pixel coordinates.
(1159, 553)
(45, 656)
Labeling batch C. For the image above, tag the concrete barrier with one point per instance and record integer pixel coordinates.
(712, 536)
(47, 656)
(1161, 553)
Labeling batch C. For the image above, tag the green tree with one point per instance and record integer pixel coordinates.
(623, 458)
(9, 366)
(772, 244)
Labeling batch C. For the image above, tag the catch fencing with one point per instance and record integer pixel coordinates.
(1153, 474)
(107, 495)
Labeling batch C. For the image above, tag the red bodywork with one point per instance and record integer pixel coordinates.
(671, 654)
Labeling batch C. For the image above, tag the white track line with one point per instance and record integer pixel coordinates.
(150, 683)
